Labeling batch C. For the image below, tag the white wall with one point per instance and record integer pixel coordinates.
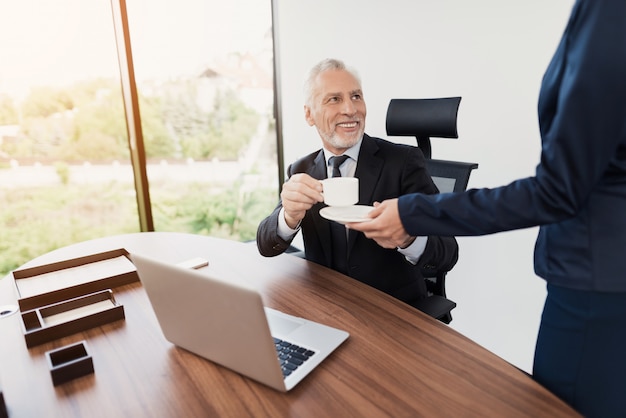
(490, 52)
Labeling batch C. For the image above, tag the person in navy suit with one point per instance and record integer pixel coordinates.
(577, 198)
(336, 107)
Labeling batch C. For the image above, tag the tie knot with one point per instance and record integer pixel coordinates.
(336, 162)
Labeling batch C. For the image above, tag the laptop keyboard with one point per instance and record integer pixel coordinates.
(291, 356)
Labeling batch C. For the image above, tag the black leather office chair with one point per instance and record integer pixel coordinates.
(423, 119)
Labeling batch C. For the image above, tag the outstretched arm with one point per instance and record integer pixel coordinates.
(385, 227)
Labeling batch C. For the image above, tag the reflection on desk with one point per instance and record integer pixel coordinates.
(397, 361)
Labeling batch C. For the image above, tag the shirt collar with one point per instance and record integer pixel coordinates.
(352, 152)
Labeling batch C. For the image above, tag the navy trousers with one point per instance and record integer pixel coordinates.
(581, 350)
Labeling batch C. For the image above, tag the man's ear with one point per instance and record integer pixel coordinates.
(308, 116)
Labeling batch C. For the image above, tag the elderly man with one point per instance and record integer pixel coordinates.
(334, 104)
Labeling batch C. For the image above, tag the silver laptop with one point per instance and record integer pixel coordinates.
(225, 321)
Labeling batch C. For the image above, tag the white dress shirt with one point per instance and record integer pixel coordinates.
(412, 253)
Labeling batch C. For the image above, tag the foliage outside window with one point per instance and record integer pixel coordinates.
(65, 173)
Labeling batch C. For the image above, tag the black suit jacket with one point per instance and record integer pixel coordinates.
(385, 170)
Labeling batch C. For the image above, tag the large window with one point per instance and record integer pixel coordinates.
(204, 80)
(203, 72)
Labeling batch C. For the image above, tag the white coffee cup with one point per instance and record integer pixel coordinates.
(340, 191)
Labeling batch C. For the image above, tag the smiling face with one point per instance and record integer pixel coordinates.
(337, 110)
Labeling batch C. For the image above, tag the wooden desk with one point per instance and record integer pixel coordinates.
(397, 361)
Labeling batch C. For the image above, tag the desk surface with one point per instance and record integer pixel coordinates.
(397, 361)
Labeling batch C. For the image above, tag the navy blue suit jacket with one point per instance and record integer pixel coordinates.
(385, 170)
(578, 194)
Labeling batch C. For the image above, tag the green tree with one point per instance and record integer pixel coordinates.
(99, 126)
(158, 141)
(221, 132)
(46, 101)
(184, 118)
(232, 126)
(8, 111)
(226, 131)
(46, 114)
(41, 137)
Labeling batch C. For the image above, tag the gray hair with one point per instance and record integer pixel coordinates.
(327, 64)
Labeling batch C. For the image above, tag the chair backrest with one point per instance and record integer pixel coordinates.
(426, 118)
(423, 119)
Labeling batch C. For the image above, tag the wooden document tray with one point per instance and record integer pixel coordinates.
(69, 317)
(56, 282)
(69, 362)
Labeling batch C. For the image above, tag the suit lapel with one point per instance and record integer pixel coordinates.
(318, 170)
(368, 169)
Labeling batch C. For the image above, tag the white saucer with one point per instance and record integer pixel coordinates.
(345, 214)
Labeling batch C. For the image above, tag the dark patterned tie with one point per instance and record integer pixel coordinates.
(338, 231)
(336, 162)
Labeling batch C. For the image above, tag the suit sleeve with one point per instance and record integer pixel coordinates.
(581, 112)
(267, 239)
(268, 242)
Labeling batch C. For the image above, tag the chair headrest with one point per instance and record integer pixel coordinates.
(423, 117)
